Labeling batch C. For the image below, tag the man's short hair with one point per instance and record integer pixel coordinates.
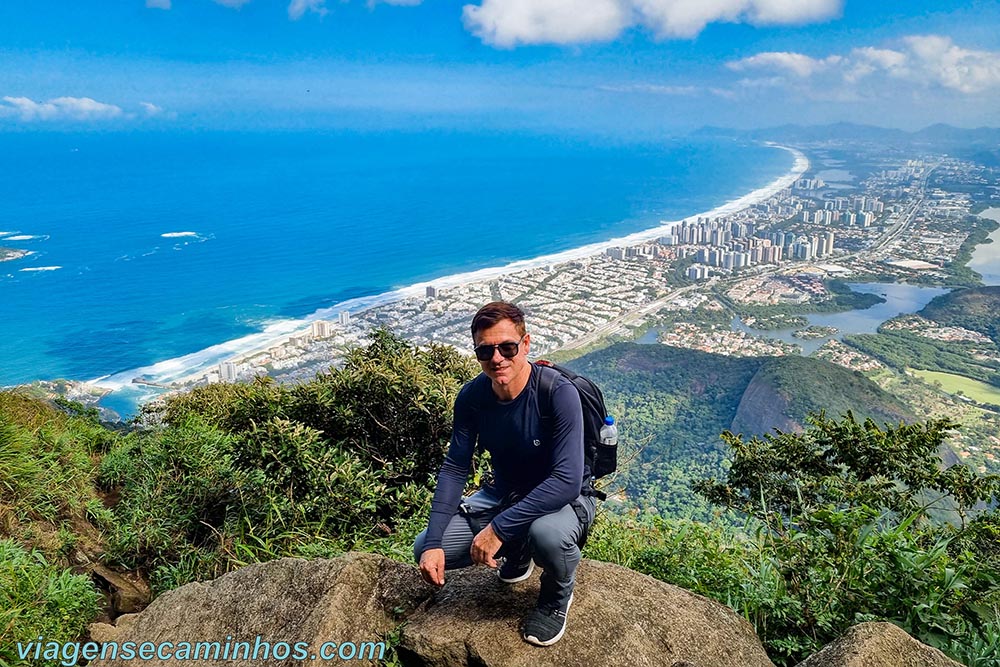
(494, 312)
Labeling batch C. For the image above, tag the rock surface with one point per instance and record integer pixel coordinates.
(878, 645)
(349, 599)
(618, 617)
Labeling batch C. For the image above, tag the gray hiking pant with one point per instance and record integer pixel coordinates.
(552, 540)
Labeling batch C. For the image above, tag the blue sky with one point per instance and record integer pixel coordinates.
(615, 66)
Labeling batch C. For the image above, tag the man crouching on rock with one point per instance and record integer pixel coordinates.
(538, 506)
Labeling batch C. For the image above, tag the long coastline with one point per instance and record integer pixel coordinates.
(192, 366)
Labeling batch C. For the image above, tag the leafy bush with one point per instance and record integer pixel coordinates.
(845, 535)
(246, 472)
(39, 599)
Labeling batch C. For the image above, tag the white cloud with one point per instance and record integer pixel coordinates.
(158, 4)
(235, 4)
(298, 8)
(59, 108)
(781, 12)
(939, 60)
(508, 23)
(924, 60)
(798, 64)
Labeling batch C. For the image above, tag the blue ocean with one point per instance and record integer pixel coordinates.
(146, 247)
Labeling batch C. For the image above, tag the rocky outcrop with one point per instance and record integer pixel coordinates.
(878, 645)
(618, 617)
(358, 597)
(762, 409)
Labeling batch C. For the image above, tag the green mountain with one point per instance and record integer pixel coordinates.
(977, 309)
(673, 403)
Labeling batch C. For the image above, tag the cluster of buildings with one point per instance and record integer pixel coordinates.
(718, 340)
(781, 238)
(928, 329)
(779, 289)
(732, 244)
(837, 353)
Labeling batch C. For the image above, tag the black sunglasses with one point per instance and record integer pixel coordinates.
(507, 350)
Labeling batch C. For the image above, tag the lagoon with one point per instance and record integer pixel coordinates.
(986, 257)
(899, 299)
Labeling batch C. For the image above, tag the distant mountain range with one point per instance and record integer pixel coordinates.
(939, 135)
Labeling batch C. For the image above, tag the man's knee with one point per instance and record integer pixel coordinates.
(549, 535)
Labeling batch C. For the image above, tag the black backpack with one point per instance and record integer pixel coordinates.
(602, 459)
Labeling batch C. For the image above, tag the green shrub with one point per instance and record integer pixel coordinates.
(38, 599)
(248, 472)
(846, 535)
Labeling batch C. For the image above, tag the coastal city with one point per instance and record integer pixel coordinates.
(735, 281)
(779, 251)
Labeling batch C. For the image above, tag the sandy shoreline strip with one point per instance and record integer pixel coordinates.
(191, 367)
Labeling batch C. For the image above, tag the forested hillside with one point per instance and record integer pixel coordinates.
(673, 403)
(977, 309)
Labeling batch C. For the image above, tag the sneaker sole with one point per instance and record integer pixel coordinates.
(531, 639)
(531, 568)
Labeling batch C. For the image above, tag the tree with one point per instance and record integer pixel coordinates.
(845, 534)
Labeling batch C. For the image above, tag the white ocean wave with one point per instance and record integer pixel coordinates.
(177, 235)
(42, 268)
(22, 237)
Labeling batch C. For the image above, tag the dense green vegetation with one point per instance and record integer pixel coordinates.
(46, 494)
(40, 599)
(822, 529)
(240, 473)
(977, 309)
(809, 385)
(904, 349)
(673, 403)
(837, 533)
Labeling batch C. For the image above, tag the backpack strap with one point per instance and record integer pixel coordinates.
(546, 388)
(543, 403)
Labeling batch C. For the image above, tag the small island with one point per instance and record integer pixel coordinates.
(8, 254)
(774, 322)
(814, 331)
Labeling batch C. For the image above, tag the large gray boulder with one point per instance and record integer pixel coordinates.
(878, 645)
(618, 617)
(354, 598)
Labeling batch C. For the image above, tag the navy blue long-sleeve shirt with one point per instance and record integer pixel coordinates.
(543, 464)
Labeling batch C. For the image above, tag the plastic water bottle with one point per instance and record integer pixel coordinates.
(609, 432)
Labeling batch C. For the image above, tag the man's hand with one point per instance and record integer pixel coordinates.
(432, 566)
(485, 545)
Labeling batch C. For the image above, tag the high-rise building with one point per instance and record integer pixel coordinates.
(228, 371)
(321, 329)
(345, 317)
